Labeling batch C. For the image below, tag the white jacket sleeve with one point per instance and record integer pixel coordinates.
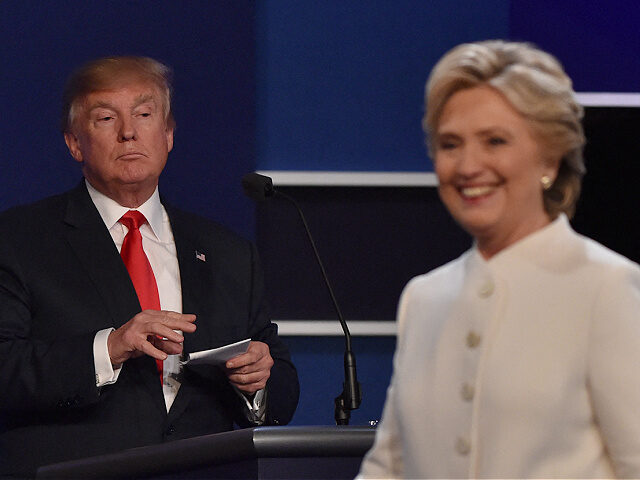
(614, 366)
(385, 459)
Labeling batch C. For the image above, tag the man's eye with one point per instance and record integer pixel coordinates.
(105, 118)
(497, 141)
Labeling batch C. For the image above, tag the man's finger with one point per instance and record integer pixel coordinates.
(247, 386)
(148, 348)
(256, 351)
(172, 319)
(167, 346)
(178, 321)
(243, 360)
(163, 331)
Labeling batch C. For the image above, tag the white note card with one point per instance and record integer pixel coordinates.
(217, 356)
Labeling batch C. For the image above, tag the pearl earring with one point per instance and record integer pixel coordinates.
(546, 182)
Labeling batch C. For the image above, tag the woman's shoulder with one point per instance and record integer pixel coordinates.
(446, 274)
(612, 278)
(600, 254)
(600, 258)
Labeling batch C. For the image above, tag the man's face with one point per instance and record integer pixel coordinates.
(122, 140)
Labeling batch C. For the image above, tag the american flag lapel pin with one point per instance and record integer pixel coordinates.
(200, 256)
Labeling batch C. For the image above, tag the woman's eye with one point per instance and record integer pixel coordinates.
(447, 146)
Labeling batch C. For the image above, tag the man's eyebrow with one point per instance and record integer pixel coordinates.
(141, 99)
(144, 98)
(100, 104)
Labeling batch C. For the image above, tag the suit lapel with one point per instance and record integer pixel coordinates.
(197, 290)
(195, 278)
(92, 244)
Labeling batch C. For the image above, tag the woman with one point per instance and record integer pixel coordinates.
(522, 357)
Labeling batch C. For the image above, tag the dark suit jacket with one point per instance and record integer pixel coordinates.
(62, 280)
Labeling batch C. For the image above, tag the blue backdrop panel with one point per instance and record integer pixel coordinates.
(341, 83)
(320, 368)
(210, 45)
(597, 42)
(339, 86)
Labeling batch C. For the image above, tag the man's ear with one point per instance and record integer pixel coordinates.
(73, 145)
(169, 134)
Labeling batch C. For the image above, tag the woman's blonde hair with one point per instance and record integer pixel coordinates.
(536, 85)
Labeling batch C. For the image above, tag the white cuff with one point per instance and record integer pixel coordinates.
(105, 373)
(255, 409)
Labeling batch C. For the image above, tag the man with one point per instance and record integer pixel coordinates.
(90, 353)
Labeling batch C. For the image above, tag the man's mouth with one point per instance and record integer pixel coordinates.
(130, 156)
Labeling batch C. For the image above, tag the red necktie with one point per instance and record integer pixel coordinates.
(138, 265)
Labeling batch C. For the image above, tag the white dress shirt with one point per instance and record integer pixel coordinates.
(523, 366)
(160, 248)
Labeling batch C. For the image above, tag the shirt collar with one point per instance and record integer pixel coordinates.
(542, 246)
(111, 211)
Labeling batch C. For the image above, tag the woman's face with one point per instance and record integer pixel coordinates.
(489, 164)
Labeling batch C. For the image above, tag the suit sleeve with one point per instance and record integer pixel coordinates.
(614, 361)
(33, 371)
(282, 387)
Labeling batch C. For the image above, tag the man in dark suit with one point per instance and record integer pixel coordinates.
(84, 369)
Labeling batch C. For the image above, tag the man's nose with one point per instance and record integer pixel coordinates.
(127, 130)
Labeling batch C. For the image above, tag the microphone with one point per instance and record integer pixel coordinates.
(259, 188)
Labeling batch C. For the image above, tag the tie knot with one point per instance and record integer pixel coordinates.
(133, 219)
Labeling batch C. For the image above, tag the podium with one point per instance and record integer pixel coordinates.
(253, 453)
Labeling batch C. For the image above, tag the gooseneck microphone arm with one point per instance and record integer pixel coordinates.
(259, 188)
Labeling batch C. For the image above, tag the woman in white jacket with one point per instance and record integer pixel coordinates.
(521, 358)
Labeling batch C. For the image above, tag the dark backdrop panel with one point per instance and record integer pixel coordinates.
(342, 82)
(210, 45)
(373, 240)
(608, 206)
(340, 86)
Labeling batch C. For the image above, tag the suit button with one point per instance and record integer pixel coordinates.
(170, 430)
(467, 392)
(473, 339)
(463, 446)
(486, 289)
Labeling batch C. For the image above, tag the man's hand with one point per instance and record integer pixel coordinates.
(150, 332)
(250, 371)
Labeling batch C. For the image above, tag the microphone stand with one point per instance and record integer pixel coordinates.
(351, 395)
(259, 188)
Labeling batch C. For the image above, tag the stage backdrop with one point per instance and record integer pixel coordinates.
(296, 85)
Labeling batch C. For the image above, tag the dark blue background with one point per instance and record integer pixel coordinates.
(281, 84)
(211, 47)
